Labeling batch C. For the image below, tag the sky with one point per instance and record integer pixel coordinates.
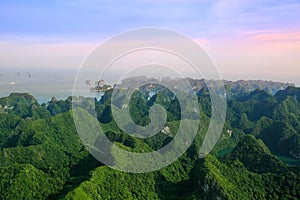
(246, 39)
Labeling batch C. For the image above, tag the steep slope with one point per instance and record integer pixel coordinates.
(277, 179)
(23, 181)
(289, 91)
(216, 180)
(256, 156)
(107, 183)
(51, 146)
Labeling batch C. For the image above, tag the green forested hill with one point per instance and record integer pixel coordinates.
(261, 177)
(42, 157)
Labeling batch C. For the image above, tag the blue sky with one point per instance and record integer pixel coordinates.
(91, 19)
(234, 32)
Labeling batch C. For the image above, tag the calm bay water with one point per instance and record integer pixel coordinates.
(42, 84)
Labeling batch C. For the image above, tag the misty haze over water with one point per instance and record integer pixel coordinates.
(42, 84)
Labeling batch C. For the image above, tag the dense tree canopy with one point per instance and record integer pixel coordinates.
(256, 157)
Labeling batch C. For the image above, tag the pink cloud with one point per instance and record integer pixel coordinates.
(258, 54)
(291, 36)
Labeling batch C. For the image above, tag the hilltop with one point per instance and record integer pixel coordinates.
(256, 157)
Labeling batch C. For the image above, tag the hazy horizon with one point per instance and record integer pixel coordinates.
(44, 84)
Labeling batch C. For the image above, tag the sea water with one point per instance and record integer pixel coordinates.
(42, 84)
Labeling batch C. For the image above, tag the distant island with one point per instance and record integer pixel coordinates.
(99, 86)
(232, 87)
